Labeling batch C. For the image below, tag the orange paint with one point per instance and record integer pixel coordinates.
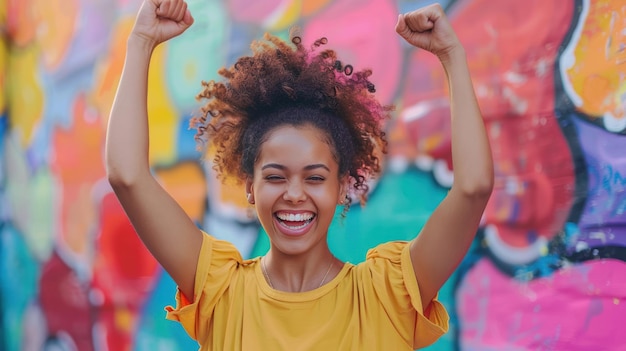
(187, 184)
(310, 7)
(600, 63)
(78, 165)
(109, 69)
(20, 18)
(56, 25)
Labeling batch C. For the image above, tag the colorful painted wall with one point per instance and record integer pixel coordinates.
(547, 271)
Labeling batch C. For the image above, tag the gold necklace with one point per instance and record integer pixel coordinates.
(267, 276)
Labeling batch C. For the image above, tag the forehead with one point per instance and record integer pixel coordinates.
(295, 146)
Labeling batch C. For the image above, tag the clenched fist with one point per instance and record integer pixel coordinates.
(428, 28)
(161, 20)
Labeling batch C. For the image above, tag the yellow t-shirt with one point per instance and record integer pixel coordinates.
(374, 305)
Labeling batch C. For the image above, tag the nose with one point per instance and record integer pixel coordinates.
(294, 192)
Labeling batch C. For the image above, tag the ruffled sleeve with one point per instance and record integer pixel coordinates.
(217, 264)
(396, 287)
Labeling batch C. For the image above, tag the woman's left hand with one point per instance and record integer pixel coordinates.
(428, 28)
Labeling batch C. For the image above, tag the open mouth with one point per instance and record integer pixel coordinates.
(294, 221)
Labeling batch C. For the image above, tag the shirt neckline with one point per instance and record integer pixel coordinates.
(298, 296)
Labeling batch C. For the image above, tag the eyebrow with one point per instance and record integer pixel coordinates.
(306, 168)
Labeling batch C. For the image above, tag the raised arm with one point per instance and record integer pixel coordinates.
(437, 251)
(166, 230)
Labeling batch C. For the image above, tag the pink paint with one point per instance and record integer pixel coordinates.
(582, 307)
(511, 49)
(252, 11)
(371, 43)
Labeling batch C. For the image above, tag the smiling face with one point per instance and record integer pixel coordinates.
(296, 187)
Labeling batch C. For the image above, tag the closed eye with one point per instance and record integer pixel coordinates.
(273, 178)
(317, 178)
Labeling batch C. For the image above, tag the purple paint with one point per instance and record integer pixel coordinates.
(603, 221)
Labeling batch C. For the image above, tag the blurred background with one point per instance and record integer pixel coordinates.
(547, 270)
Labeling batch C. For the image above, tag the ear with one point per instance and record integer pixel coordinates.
(249, 190)
(344, 186)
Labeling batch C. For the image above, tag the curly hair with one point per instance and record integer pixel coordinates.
(283, 84)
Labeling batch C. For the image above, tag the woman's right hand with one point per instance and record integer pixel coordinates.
(161, 20)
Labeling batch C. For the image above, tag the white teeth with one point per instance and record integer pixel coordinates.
(286, 218)
(292, 217)
(294, 227)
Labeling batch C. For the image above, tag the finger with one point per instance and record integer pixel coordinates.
(179, 11)
(169, 9)
(415, 38)
(188, 18)
(421, 21)
(406, 29)
(163, 8)
(402, 28)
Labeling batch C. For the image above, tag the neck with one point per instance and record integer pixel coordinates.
(298, 273)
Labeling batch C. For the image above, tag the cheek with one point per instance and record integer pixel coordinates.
(327, 197)
(266, 195)
(265, 213)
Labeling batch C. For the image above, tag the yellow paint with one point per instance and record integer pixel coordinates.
(4, 53)
(162, 114)
(615, 301)
(287, 17)
(600, 65)
(124, 319)
(3, 57)
(24, 94)
(4, 9)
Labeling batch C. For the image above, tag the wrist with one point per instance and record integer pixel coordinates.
(141, 43)
(452, 56)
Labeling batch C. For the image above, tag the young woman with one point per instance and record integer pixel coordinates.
(300, 128)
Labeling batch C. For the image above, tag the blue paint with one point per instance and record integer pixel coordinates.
(154, 332)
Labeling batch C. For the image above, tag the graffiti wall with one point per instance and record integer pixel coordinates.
(546, 271)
